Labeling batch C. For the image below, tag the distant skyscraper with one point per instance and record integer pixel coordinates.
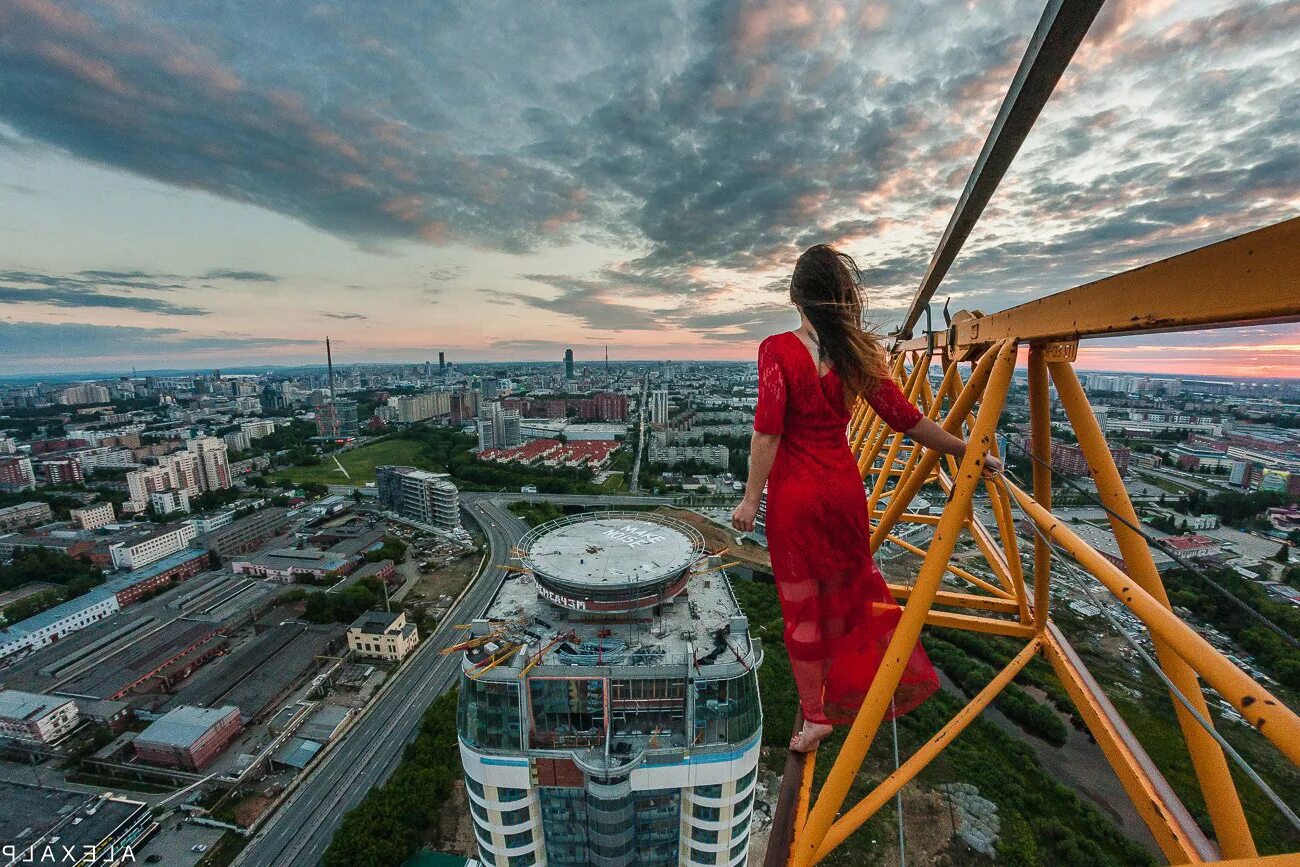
(442, 363)
(568, 364)
(338, 419)
(625, 729)
(659, 406)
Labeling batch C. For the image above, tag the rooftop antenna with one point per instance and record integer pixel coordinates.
(329, 362)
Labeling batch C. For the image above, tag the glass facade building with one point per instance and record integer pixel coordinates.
(606, 737)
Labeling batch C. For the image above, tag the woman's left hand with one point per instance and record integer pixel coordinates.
(992, 466)
(742, 518)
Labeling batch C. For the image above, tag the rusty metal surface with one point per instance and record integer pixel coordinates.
(781, 836)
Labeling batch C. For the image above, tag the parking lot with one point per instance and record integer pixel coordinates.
(174, 846)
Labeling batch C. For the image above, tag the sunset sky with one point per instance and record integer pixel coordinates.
(193, 184)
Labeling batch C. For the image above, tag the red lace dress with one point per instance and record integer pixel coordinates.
(820, 540)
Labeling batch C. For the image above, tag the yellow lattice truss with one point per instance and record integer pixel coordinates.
(1254, 278)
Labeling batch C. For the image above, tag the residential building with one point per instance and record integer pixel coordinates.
(78, 395)
(59, 471)
(93, 517)
(43, 719)
(628, 732)
(237, 441)
(24, 515)
(258, 429)
(713, 456)
(16, 474)
(382, 635)
(419, 495)
(147, 546)
(213, 465)
(168, 502)
(659, 406)
(188, 737)
(412, 408)
(499, 428)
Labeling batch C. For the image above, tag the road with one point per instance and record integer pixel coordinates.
(300, 830)
(634, 483)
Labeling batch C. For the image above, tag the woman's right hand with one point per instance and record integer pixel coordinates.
(742, 517)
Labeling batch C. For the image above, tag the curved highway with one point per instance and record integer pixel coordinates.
(299, 831)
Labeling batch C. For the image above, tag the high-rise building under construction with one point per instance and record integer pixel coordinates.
(609, 709)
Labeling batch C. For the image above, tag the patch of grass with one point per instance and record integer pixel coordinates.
(360, 463)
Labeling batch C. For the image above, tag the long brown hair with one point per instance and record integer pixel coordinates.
(827, 286)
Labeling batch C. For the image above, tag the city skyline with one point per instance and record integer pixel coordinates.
(187, 192)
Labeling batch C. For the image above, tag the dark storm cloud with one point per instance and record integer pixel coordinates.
(718, 137)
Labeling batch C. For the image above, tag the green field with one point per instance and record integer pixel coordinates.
(359, 462)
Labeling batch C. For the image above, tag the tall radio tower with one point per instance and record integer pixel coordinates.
(329, 363)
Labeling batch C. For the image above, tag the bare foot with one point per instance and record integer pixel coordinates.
(809, 736)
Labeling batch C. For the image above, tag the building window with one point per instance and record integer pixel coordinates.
(474, 786)
(478, 810)
(523, 838)
(514, 817)
(714, 791)
(704, 835)
(488, 715)
(706, 814)
(701, 857)
(727, 711)
(567, 712)
(525, 860)
(506, 795)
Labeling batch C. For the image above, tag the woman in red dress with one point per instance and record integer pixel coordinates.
(839, 615)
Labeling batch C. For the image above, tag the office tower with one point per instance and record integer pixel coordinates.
(621, 722)
(568, 364)
(442, 363)
(490, 388)
(419, 495)
(659, 406)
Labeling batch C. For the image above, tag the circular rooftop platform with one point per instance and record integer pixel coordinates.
(611, 561)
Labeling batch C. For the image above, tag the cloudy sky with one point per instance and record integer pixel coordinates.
(199, 182)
